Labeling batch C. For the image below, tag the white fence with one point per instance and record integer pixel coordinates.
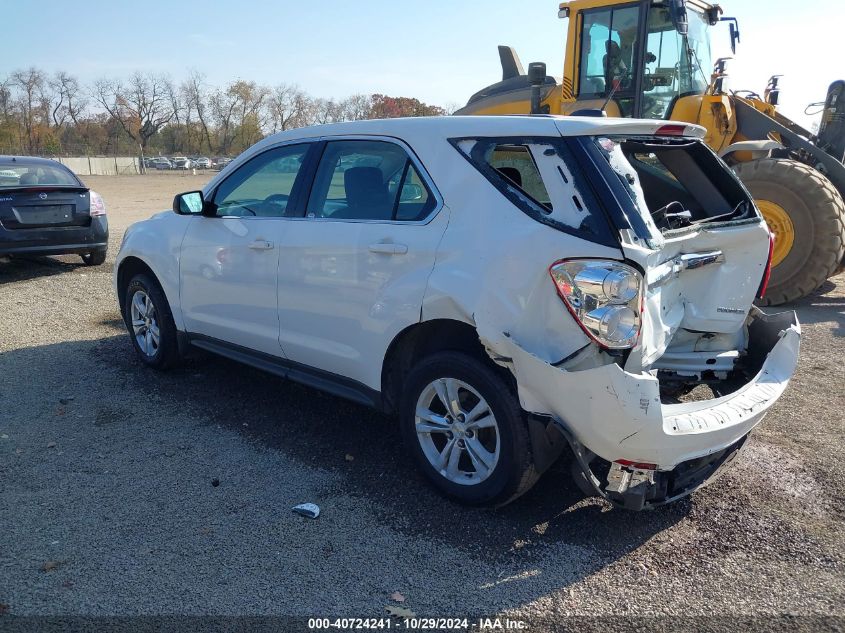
(101, 165)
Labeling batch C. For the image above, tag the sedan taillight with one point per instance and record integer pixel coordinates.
(605, 297)
(98, 207)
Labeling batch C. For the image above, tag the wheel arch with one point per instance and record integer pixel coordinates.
(423, 339)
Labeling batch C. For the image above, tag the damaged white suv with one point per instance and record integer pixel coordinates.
(511, 287)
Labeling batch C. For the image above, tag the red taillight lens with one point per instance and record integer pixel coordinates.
(764, 284)
(98, 206)
(671, 130)
(604, 297)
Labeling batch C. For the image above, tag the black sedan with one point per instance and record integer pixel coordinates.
(46, 210)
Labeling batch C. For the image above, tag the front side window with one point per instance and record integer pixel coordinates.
(368, 180)
(608, 55)
(263, 186)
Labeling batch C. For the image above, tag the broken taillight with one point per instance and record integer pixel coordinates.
(604, 297)
(627, 463)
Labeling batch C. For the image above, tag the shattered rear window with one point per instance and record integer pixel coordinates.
(539, 176)
(675, 183)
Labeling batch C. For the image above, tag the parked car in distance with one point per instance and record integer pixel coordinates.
(181, 162)
(220, 162)
(161, 163)
(46, 210)
(508, 287)
(202, 162)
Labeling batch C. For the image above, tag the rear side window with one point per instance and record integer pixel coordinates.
(369, 180)
(540, 176)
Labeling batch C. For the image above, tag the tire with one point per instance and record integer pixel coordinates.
(512, 471)
(165, 354)
(95, 258)
(816, 213)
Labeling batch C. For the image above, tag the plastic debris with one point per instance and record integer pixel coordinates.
(310, 510)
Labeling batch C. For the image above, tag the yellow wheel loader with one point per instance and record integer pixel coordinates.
(652, 59)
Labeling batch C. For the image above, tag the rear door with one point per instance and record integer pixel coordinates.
(353, 271)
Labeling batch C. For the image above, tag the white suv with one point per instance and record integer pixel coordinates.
(510, 287)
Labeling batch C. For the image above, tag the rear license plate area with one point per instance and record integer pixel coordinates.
(44, 215)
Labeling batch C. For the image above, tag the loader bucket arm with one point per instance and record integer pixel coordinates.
(756, 125)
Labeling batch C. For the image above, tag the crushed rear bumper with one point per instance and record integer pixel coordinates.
(616, 415)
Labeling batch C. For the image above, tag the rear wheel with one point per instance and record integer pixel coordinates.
(94, 258)
(464, 426)
(806, 215)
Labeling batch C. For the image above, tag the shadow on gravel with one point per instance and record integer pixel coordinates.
(320, 431)
(23, 268)
(819, 307)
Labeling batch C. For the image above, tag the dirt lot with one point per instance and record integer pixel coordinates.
(107, 504)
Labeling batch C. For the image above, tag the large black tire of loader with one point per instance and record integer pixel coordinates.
(817, 213)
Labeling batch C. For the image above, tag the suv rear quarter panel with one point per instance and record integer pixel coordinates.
(492, 268)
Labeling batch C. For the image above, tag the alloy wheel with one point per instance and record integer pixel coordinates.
(142, 312)
(457, 431)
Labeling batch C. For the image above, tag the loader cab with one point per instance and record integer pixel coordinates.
(638, 57)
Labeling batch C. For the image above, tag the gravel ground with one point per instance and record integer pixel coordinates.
(107, 504)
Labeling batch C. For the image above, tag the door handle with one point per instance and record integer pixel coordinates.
(388, 248)
(261, 245)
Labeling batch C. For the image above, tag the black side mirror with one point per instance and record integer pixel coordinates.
(189, 203)
(734, 27)
(678, 11)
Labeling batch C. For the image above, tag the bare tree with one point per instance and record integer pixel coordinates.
(197, 99)
(141, 105)
(289, 108)
(68, 100)
(356, 108)
(30, 84)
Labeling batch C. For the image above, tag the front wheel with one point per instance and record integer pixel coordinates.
(806, 215)
(466, 430)
(150, 323)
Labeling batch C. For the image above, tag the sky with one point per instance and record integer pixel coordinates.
(438, 51)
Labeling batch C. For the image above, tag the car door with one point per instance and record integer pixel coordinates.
(229, 259)
(353, 271)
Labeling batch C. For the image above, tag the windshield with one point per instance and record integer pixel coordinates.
(23, 174)
(675, 65)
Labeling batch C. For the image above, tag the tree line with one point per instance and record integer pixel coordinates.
(56, 114)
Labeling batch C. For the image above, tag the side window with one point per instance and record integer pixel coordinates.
(516, 164)
(608, 54)
(263, 186)
(368, 180)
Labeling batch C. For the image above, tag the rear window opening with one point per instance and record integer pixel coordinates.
(676, 183)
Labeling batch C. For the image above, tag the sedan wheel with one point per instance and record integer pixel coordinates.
(145, 326)
(457, 431)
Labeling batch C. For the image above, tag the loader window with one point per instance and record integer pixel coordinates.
(675, 65)
(608, 55)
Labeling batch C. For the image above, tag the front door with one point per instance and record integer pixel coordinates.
(230, 259)
(353, 271)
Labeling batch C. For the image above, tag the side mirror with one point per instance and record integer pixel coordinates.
(189, 203)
